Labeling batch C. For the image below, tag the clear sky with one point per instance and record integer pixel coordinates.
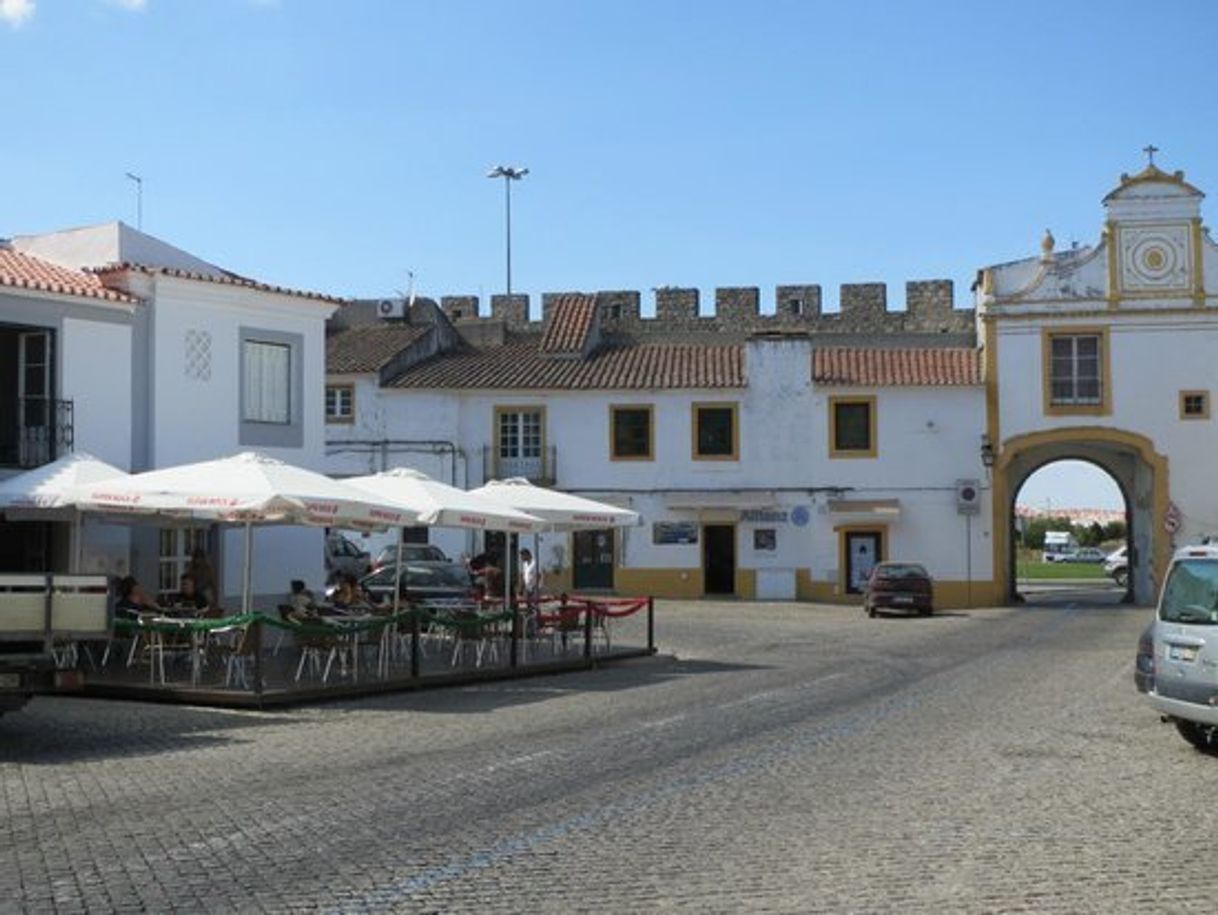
(337, 145)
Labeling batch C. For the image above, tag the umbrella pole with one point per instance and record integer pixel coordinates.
(79, 546)
(246, 597)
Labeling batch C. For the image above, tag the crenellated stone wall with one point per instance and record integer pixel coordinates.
(798, 308)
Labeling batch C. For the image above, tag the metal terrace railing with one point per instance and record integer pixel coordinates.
(35, 431)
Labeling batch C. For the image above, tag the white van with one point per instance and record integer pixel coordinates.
(1057, 545)
(1185, 647)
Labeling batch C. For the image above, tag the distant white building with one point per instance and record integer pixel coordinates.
(118, 344)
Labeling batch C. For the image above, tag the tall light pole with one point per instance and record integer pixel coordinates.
(139, 200)
(509, 174)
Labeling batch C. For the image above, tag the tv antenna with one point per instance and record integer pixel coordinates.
(139, 200)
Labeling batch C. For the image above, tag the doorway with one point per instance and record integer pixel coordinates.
(719, 558)
(863, 550)
(593, 555)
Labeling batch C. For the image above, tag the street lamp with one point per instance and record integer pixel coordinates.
(509, 174)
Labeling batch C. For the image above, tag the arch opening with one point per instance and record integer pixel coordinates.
(1133, 464)
(1072, 533)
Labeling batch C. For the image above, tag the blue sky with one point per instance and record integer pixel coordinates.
(335, 146)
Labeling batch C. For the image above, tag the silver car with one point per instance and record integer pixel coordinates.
(1184, 687)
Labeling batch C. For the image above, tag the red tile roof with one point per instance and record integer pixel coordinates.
(522, 366)
(226, 279)
(568, 324)
(865, 367)
(25, 271)
(368, 347)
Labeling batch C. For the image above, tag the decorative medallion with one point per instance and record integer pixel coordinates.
(1155, 259)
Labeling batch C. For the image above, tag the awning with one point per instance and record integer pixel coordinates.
(880, 510)
(726, 499)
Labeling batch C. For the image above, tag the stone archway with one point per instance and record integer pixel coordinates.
(1132, 461)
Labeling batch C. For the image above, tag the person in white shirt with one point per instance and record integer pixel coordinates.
(530, 578)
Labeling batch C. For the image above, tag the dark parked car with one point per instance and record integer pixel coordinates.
(426, 581)
(903, 587)
(411, 552)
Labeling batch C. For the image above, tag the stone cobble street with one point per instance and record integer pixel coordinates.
(776, 758)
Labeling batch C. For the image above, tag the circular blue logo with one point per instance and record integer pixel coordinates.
(800, 516)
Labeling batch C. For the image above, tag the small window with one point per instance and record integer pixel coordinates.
(631, 433)
(765, 540)
(1194, 404)
(795, 306)
(852, 430)
(340, 403)
(615, 311)
(715, 433)
(268, 382)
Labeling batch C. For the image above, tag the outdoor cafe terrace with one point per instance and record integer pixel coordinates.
(258, 654)
(264, 658)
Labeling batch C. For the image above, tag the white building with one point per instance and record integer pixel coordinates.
(1106, 353)
(716, 430)
(779, 455)
(118, 344)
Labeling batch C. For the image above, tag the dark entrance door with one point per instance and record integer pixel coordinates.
(593, 559)
(719, 558)
(863, 551)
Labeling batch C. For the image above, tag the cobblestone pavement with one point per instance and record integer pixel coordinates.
(787, 759)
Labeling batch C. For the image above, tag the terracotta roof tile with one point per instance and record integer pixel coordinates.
(24, 271)
(225, 279)
(368, 347)
(568, 325)
(865, 367)
(522, 366)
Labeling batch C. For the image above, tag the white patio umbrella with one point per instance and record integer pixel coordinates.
(248, 489)
(560, 510)
(48, 491)
(439, 505)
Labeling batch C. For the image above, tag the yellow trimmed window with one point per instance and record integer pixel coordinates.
(1076, 368)
(716, 432)
(631, 432)
(852, 427)
(1194, 404)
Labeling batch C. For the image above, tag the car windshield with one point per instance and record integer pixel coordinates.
(414, 552)
(901, 570)
(1191, 594)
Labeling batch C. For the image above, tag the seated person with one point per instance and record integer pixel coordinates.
(350, 596)
(491, 577)
(189, 598)
(302, 602)
(133, 599)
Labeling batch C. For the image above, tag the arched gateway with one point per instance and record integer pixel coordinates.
(1105, 353)
(1132, 461)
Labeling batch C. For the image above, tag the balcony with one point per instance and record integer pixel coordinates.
(34, 431)
(541, 469)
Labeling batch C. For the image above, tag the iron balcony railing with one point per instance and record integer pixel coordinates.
(36, 431)
(538, 468)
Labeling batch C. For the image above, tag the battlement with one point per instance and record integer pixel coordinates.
(929, 309)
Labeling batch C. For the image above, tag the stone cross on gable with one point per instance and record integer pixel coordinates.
(1150, 153)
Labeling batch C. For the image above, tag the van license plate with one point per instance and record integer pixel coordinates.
(10, 681)
(902, 599)
(1182, 652)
